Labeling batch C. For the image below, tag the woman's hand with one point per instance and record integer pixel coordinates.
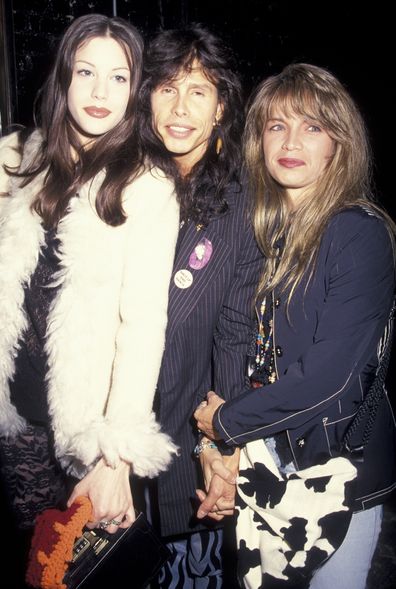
(220, 474)
(110, 494)
(204, 414)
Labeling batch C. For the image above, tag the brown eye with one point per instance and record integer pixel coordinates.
(84, 72)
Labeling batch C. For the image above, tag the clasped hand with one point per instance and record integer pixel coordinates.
(219, 471)
(204, 414)
(220, 474)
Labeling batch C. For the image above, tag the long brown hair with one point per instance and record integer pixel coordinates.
(116, 151)
(313, 92)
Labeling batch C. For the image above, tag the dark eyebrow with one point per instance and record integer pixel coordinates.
(94, 66)
(85, 61)
(191, 85)
(200, 85)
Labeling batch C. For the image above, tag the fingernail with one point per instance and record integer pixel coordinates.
(201, 513)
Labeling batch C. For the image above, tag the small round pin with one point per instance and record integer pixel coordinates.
(183, 278)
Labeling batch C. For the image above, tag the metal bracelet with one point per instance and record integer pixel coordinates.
(200, 447)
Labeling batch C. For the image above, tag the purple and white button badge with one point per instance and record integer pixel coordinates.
(201, 255)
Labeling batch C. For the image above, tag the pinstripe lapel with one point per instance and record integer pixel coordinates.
(183, 301)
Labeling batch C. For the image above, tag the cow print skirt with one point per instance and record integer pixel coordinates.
(289, 524)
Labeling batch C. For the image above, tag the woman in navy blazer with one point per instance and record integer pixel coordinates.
(323, 309)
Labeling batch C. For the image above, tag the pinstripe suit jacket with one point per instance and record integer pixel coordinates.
(209, 328)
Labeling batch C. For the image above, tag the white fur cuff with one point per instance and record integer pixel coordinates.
(141, 443)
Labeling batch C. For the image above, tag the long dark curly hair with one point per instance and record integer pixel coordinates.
(170, 53)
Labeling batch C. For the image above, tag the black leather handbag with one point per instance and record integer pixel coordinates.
(129, 558)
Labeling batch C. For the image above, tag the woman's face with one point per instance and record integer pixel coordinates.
(297, 150)
(99, 91)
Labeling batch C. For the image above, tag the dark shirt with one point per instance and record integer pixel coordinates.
(28, 388)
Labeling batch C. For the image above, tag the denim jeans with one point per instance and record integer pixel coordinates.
(349, 566)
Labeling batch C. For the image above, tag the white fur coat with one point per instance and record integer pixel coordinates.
(106, 326)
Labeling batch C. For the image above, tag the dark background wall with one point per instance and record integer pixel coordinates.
(351, 38)
(355, 40)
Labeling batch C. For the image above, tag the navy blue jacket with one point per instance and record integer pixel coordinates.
(327, 356)
(209, 328)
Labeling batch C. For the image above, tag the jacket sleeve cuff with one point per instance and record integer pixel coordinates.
(148, 450)
(225, 445)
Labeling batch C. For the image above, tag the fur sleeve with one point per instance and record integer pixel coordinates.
(132, 432)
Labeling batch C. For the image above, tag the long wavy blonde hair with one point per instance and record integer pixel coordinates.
(313, 92)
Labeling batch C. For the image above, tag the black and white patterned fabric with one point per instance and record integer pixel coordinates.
(289, 524)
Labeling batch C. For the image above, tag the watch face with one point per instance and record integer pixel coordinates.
(199, 448)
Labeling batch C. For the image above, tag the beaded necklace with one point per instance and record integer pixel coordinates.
(264, 358)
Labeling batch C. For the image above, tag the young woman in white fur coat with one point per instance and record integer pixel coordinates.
(87, 240)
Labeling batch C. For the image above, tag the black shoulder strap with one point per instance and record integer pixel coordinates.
(372, 399)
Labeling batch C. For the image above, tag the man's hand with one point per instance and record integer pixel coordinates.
(220, 474)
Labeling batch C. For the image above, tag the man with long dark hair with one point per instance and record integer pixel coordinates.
(191, 125)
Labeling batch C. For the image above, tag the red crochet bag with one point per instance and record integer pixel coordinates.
(51, 548)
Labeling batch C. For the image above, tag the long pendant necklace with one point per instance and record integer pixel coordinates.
(262, 342)
(264, 358)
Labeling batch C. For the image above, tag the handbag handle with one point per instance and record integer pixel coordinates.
(376, 392)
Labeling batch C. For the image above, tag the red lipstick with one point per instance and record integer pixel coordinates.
(96, 112)
(290, 162)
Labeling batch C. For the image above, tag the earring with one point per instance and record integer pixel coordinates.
(219, 141)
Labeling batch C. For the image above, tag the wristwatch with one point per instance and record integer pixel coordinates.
(200, 447)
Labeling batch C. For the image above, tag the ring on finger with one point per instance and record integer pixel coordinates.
(104, 524)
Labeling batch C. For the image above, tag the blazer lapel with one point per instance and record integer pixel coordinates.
(182, 301)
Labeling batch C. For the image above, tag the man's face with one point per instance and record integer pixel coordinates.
(184, 113)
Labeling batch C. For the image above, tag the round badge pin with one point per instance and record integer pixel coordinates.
(183, 278)
(201, 255)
